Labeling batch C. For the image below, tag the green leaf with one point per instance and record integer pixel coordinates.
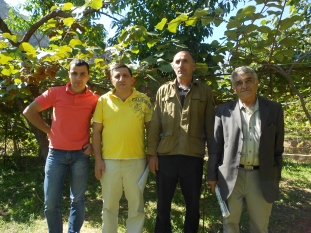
(249, 10)
(200, 12)
(274, 12)
(135, 50)
(152, 42)
(172, 26)
(67, 6)
(69, 21)
(230, 44)
(279, 57)
(289, 42)
(166, 67)
(206, 20)
(286, 23)
(9, 36)
(28, 48)
(191, 21)
(217, 21)
(3, 44)
(75, 42)
(96, 4)
(231, 34)
(275, 5)
(82, 49)
(264, 29)
(150, 60)
(161, 25)
(233, 24)
(64, 49)
(214, 43)
(5, 59)
(6, 71)
(218, 11)
(201, 67)
(218, 58)
(288, 52)
(250, 28)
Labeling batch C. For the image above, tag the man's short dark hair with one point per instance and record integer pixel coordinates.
(80, 62)
(118, 66)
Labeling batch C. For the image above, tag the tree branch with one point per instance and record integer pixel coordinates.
(308, 54)
(276, 33)
(293, 88)
(34, 27)
(4, 29)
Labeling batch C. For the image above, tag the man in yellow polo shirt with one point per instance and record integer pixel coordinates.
(118, 144)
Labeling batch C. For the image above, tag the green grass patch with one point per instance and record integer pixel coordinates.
(21, 206)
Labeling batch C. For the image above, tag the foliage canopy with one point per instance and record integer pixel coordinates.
(35, 51)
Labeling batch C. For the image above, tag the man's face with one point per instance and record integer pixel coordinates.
(122, 80)
(78, 76)
(183, 65)
(245, 86)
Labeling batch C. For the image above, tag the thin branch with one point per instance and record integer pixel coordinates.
(38, 24)
(4, 29)
(308, 54)
(103, 13)
(293, 88)
(276, 33)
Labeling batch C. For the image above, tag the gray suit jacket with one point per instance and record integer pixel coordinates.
(226, 146)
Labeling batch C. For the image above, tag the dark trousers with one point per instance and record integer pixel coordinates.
(188, 171)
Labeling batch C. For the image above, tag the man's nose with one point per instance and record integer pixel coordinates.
(79, 76)
(244, 84)
(121, 78)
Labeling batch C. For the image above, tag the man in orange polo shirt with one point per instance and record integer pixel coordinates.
(69, 147)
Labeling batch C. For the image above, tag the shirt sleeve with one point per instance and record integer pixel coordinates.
(98, 113)
(149, 109)
(46, 99)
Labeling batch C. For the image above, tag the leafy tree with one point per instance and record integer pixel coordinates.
(147, 37)
(27, 70)
(277, 46)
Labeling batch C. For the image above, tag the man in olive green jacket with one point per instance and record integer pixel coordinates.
(180, 130)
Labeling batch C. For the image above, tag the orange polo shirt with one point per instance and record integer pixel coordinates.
(72, 113)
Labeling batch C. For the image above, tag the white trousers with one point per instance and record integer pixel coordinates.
(247, 188)
(119, 175)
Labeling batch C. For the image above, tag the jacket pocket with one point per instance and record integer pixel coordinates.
(166, 144)
(197, 142)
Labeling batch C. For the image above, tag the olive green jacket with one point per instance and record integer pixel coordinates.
(181, 130)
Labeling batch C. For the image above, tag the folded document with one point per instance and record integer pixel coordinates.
(143, 179)
(223, 207)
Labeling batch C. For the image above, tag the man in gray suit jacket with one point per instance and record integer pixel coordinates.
(245, 154)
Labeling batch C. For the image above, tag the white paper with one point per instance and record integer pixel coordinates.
(143, 179)
(223, 207)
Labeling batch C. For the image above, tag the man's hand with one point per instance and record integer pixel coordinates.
(87, 149)
(99, 168)
(153, 163)
(213, 183)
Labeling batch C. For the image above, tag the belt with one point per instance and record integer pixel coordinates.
(248, 167)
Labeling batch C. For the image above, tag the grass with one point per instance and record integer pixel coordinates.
(21, 206)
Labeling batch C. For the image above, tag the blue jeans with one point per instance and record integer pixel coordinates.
(57, 164)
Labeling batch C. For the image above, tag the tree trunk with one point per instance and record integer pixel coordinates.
(39, 135)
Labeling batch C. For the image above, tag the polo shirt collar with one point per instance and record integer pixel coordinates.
(134, 93)
(68, 89)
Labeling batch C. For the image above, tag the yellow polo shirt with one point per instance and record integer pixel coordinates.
(123, 135)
